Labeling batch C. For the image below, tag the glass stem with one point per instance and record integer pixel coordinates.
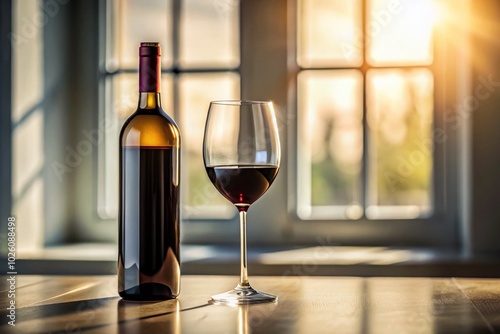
(243, 248)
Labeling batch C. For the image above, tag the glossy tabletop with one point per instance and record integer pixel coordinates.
(90, 304)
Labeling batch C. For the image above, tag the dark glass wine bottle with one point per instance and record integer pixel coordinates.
(148, 253)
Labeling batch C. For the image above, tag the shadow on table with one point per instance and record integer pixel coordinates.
(90, 314)
(59, 309)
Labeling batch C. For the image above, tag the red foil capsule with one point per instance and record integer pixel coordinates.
(149, 67)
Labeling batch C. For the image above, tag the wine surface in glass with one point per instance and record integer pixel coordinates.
(242, 185)
(149, 248)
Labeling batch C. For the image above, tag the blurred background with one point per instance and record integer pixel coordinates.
(387, 111)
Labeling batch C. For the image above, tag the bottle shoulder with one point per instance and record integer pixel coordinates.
(150, 129)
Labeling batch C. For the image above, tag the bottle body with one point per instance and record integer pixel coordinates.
(149, 236)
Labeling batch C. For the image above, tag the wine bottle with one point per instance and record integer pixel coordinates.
(148, 250)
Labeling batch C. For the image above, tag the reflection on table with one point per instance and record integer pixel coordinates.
(306, 304)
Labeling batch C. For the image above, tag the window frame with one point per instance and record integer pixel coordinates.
(6, 21)
(283, 226)
(108, 25)
(440, 228)
(194, 226)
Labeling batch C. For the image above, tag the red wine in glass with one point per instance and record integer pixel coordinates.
(242, 185)
(241, 152)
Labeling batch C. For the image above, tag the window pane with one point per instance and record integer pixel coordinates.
(140, 21)
(400, 113)
(400, 32)
(330, 141)
(121, 98)
(209, 33)
(329, 33)
(201, 199)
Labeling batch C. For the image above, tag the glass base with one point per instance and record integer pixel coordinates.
(243, 295)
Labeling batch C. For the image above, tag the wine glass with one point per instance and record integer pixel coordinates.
(241, 151)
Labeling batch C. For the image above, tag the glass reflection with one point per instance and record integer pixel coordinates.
(243, 327)
(258, 318)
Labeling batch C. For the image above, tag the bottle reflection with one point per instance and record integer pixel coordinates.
(138, 317)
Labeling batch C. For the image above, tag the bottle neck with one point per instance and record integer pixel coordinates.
(149, 82)
(149, 100)
(149, 76)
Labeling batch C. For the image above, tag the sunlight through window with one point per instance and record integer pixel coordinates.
(365, 133)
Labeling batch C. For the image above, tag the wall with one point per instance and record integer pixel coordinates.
(485, 53)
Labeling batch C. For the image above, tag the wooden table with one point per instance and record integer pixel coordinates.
(89, 304)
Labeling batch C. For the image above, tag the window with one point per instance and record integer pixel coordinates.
(349, 80)
(369, 101)
(359, 92)
(200, 63)
(365, 109)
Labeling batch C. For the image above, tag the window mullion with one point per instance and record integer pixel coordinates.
(176, 14)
